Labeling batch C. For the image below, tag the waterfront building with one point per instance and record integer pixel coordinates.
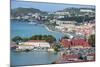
(34, 44)
(24, 47)
(25, 17)
(18, 17)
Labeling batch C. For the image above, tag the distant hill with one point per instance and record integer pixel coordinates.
(78, 16)
(71, 9)
(22, 11)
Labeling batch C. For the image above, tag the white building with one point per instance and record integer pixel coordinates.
(59, 22)
(60, 17)
(86, 10)
(60, 28)
(23, 47)
(18, 17)
(34, 44)
(36, 15)
(62, 13)
(25, 17)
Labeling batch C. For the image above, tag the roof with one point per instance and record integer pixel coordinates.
(70, 56)
(92, 54)
(36, 41)
(74, 42)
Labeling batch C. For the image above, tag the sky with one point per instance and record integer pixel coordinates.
(49, 7)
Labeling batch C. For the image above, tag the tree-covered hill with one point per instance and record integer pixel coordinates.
(23, 11)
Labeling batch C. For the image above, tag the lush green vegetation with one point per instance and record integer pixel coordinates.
(48, 38)
(56, 46)
(78, 18)
(92, 40)
(65, 37)
(17, 39)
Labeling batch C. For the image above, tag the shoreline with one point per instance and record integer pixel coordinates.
(48, 29)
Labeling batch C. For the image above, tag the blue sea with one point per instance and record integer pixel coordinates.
(24, 29)
(33, 58)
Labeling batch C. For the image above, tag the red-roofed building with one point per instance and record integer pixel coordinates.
(80, 43)
(36, 41)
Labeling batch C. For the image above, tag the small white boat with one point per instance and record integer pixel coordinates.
(32, 23)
